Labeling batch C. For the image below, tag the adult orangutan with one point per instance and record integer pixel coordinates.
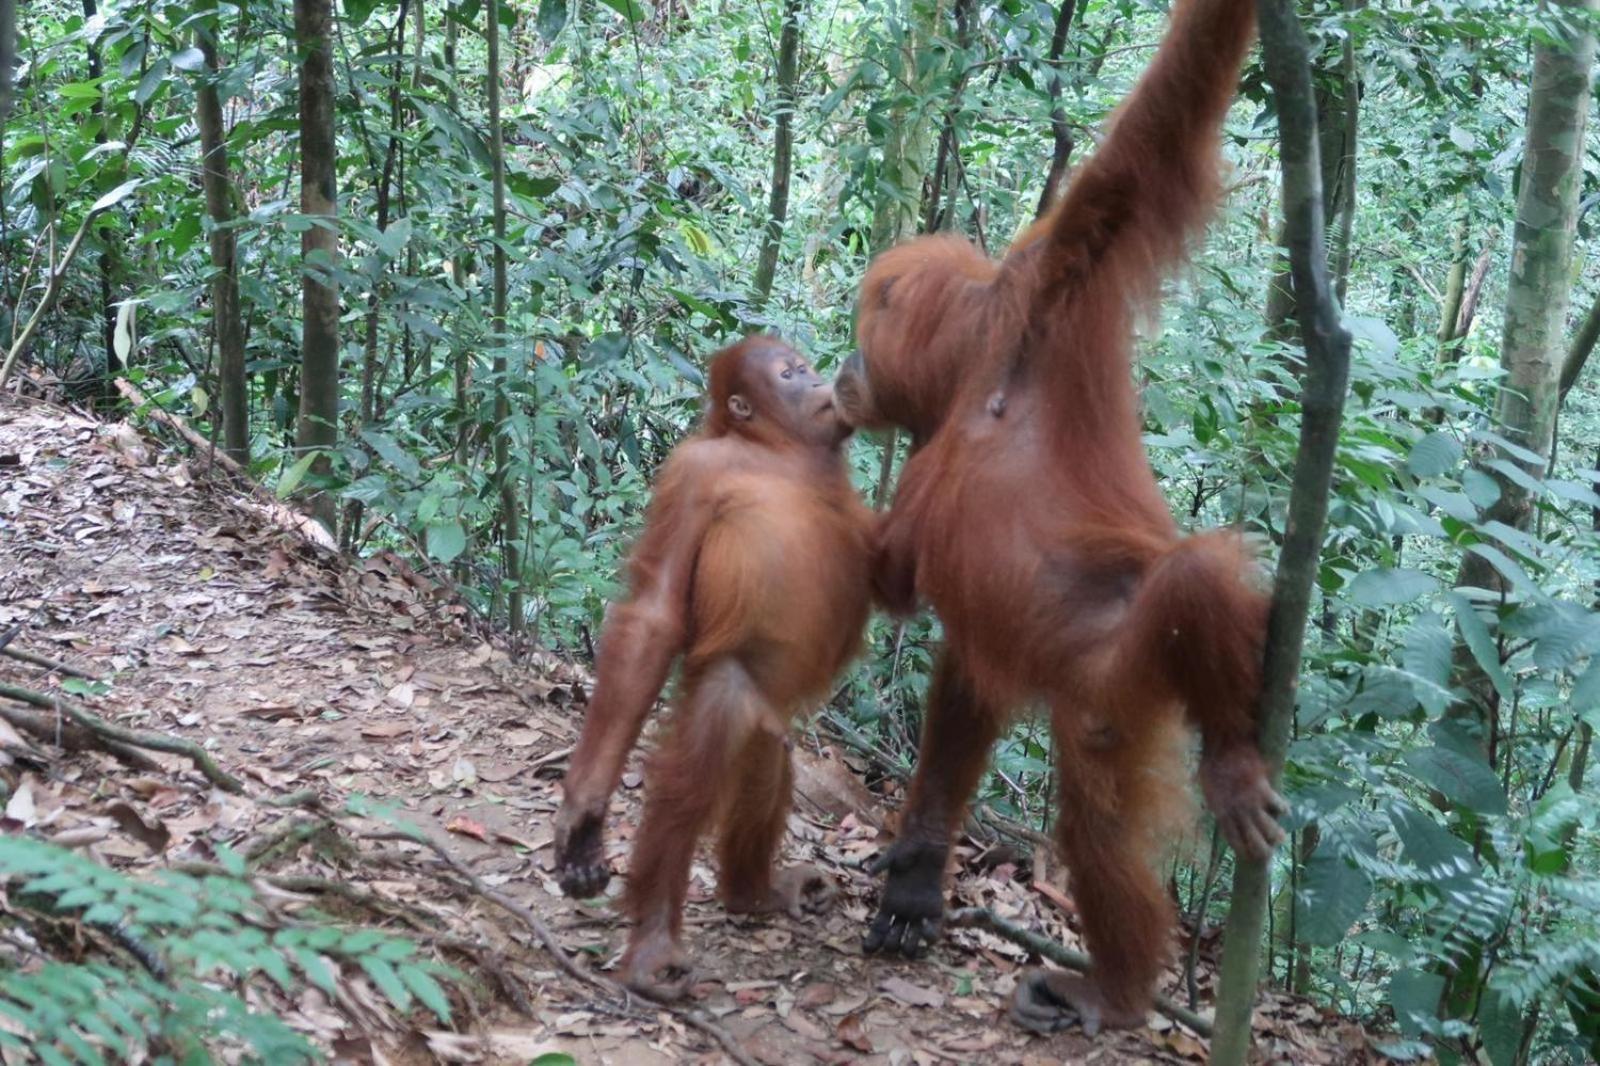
(1029, 517)
(754, 565)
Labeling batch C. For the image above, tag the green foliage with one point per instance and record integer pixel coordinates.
(1437, 728)
(188, 959)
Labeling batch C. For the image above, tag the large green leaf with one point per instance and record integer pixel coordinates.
(551, 18)
(1390, 587)
(1414, 994)
(1333, 897)
(1462, 779)
(1432, 849)
(446, 540)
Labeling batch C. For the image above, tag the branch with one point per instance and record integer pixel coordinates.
(136, 738)
(554, 947)
(1047, 948)
(46, 663)
(69, 736)
(1324, 382)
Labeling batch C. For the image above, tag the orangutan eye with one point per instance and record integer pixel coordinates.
(787, 374)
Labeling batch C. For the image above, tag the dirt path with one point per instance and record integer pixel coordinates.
(303, 672)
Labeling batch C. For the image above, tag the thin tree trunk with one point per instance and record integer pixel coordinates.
(905, 151)
(1331, 97)
(510, 526)
(226, 320)
(318, 426)
(905, 155)
(1474, 289)
(418, 364)
(8, 52)
(1539, 286)
(945, 181)
(106, 258)
(1061, 143)
(1578, 353)
(1347, 167)
(1327, 366)
(1537, 293)
(1454, 289)
(372, 367)
(782, 149)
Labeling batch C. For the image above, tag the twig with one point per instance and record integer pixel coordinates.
(46, 663)
(69, 736)
(550, 757)
(1046, 948)
(137, 738)
(554, 948)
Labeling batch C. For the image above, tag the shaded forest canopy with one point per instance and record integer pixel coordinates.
(472, 343)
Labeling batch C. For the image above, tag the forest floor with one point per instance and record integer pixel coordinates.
(315, 679)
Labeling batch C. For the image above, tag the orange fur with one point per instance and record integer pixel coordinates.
(754, 567)
(1029, 517)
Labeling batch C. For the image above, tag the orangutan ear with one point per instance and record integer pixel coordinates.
(739, 408)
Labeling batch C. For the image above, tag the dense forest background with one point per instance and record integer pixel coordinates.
(475, 337)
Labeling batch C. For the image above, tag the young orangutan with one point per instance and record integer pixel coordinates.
(754, 566)
(1029, 517)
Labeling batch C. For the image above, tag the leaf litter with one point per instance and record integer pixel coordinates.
(318, 679)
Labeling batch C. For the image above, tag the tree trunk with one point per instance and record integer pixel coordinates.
(782, 149)
(1539, 286)
(1333, 96)
(1537, 293)
(1578, 352)
(1346, 199)
(8, 52)
(510, 526)
(1455, 285)
(106, 258)
(226, 320)
(905, 151)
(1061, 143)
(1327, 366)
(318, 426)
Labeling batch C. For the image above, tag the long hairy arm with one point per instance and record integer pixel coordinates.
(1134, 207)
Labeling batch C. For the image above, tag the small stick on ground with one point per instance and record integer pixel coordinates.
(1046, 948)
(136, 738)
(556, 950)
(69, 736)
(46, 663)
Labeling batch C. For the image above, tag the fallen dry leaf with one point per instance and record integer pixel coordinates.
(153, 834)
(852, 1033)
(386, 730)
(909, 994)
(467, 828)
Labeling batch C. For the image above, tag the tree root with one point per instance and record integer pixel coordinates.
(1046, 948)
(70, 736)
(135, 738)
(44, 662)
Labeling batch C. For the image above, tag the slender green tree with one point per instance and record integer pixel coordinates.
(318, 426)
(216, 177)
(1324, 382)
(782, 149)
(510, 525)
